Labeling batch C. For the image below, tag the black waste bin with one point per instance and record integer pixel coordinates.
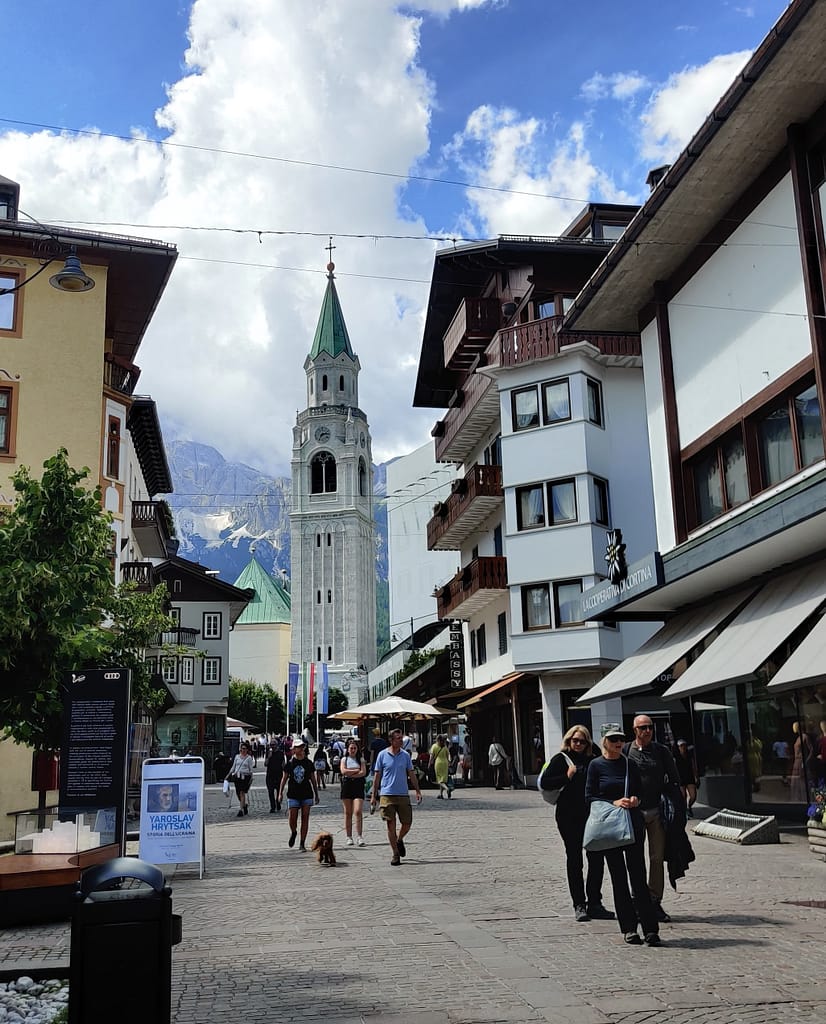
(123, 930)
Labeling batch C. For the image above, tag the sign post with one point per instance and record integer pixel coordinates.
(172, 811)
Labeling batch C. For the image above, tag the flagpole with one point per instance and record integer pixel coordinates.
(317, 733)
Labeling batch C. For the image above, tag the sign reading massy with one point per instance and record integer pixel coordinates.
(647, 574)
(172, 811)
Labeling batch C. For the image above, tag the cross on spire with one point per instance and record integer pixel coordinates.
(330, 265)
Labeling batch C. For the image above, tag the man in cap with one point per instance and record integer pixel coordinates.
(394, 775)
(659, 775)
(302, 791)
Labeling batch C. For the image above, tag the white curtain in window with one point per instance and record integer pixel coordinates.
(807, 412)
(557, 401)
(709, 488)
(563, 502)
(776, 450)
(538, 608)
(532, 508)
(734, 463)
(525, 409)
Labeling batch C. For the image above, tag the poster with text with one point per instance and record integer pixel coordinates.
(172, 811)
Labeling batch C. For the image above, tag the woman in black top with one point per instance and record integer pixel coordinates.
(275, 769)
(606, 780)
(571, 815)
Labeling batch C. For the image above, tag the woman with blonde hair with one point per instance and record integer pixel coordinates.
(567, 772)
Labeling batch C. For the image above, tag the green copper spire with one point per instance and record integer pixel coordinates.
(331, 333)
(271, 602)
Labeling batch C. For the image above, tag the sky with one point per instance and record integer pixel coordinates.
(248, 132)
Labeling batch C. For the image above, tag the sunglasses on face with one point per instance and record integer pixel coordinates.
(612, 739)
(643, 728)
(577, 739)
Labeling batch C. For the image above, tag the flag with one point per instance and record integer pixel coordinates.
(292, 687)
(305, 687)
(323, 690)
(311, 701)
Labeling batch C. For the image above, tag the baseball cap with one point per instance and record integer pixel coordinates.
(682, 743)
(612, 731)
(299, 742)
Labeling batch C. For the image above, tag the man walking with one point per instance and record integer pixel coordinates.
(659, 775)
(497, 759)
(302, 791)
(393, 776)
(275, 769)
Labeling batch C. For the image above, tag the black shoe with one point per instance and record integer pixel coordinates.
(600, 913)
(246, 808)
(272, 810)
(240, 814)
(395, 860)
(580, 913)
(278, 805)
(652, 939)
(292, 839)
(662, 916)
(401, 847)
(633, 939)
(302, 848)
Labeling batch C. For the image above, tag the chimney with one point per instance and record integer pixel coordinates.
(656, 175)
(9, 199)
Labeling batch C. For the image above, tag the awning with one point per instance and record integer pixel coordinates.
(807, 665)
(505, 681)
(664, 649)
(748, 640)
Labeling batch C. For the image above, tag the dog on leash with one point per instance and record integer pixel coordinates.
(323, 848)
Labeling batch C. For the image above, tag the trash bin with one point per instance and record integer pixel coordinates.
(123, 931)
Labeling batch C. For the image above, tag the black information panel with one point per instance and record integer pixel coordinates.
(94, 747)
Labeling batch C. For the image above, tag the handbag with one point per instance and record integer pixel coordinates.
(550, 796)
(608, 827)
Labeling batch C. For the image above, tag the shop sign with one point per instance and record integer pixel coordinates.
(456, 655)
(639, 578)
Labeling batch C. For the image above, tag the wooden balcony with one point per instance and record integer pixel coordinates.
(474, 498)
(473, 325)
(140, 573)
(119, 374)
(150, 527)
(472, 588)
(542, 339)
(473, 410)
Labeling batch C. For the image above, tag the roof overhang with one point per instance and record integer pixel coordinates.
(144, 426)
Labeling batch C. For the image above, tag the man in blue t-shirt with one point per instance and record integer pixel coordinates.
(393, 777)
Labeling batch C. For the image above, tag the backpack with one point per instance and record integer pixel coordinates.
(550, 796)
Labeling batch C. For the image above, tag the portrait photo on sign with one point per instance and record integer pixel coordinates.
(163, 798)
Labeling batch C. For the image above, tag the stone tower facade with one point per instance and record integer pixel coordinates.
(332, 530)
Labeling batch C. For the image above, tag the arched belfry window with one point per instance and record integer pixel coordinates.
(322, 473)
(362, 479)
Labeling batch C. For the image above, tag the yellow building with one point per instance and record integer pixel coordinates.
(69, 337)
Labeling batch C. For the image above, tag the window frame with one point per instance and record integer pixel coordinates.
(8, 453)
(546, 419)
(16, 328)
(502, 630)
(323, 473)
(187, 670)
(538, 416)
(169, 662)
(113, 446)
(524, 490)
(556, 585)
(591, 383)
(209, 663)
(549, 516)
(600, 482)
(524, 591)
(208, 634)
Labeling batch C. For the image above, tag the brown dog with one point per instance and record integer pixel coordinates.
(323, 846)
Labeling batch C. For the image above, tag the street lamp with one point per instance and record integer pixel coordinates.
(267, 719)
(71, 278)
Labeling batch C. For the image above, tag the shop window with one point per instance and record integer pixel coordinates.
(502, 628)
(602, 514)
(8, 421)
(10, 303)
(211, 671)
(566, 602)
(594, 397)
(525, 409)
(562, 502)
(323, 474)
(530, 507)
(113, 448)
(556, 401)
(536, 607)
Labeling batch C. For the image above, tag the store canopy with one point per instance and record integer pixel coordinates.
(759, 629)
(664, 649)
(807, 664)
(390, 707)
(505, 681)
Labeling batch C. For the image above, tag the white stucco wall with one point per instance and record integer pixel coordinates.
(658, 447)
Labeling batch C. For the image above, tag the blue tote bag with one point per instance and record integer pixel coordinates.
(608, 827)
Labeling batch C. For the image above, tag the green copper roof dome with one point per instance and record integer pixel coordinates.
(272, 601)
(331, 333)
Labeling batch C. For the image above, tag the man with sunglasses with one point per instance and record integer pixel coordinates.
(659, 775)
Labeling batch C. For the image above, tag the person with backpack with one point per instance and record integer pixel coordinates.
(562, 781)
(497, 759)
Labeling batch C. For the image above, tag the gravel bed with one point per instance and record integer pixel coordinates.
(26, 1001)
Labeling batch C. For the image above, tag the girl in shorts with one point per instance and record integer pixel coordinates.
(353, 770)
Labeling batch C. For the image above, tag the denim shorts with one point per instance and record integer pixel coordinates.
(292, 804)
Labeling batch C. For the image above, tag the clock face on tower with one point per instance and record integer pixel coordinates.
(322, 434)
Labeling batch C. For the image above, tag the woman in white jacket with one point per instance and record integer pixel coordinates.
(241, 774)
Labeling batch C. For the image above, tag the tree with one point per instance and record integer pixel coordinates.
(248, 703)
(56, 594)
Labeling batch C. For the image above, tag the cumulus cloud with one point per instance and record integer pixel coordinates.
(622, 85)
(677, 109)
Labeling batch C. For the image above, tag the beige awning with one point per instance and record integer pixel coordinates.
(748, 640)
(807, 664)
(664, 649)
(505, 681)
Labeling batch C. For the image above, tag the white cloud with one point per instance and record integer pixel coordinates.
(676, 111)
(622, 85)
(340, 85)
(502, 150)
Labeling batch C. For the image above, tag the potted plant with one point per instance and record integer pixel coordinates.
(816, 825)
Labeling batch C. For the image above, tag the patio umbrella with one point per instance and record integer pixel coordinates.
(390, 707)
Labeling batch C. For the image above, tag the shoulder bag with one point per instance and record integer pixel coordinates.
(608, 827)
(550, 796)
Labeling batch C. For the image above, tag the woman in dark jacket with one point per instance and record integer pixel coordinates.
(606, 780)
(566, 771)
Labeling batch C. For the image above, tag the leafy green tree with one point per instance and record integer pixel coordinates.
(59, 608)
(248, 703)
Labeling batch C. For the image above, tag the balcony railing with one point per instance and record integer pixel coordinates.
(477, 404)
(139, 573)
(476, 585)
(474, 497)
(473, 325)
(181, 636)
(150, 527)
(119, 374)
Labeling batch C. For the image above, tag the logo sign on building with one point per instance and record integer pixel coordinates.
(456, 655)
(642, 576)
(172, 811)
(94, 749)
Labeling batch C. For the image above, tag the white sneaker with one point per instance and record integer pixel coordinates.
(349, 841)
(359, 841)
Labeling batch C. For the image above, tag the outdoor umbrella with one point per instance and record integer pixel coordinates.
(390, 707)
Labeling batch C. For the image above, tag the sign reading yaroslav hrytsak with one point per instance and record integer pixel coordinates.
(93, 751)
(172, 811)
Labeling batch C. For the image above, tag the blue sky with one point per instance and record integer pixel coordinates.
(539, 96)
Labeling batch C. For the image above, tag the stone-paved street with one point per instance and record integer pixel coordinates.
(475, 927)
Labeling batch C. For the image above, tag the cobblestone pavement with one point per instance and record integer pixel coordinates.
(474, 928)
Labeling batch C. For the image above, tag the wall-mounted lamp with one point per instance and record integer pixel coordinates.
(71, 278)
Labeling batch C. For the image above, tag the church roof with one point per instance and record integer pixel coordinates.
(331, 333)
(271, 602)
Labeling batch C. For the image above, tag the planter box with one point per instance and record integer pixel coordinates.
(817, 840)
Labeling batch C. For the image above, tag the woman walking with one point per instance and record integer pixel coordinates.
(439, 763)
(617, 779)
(353, 769)
(321, 765)
(302, 791)
(241, 774)
(567, 772)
